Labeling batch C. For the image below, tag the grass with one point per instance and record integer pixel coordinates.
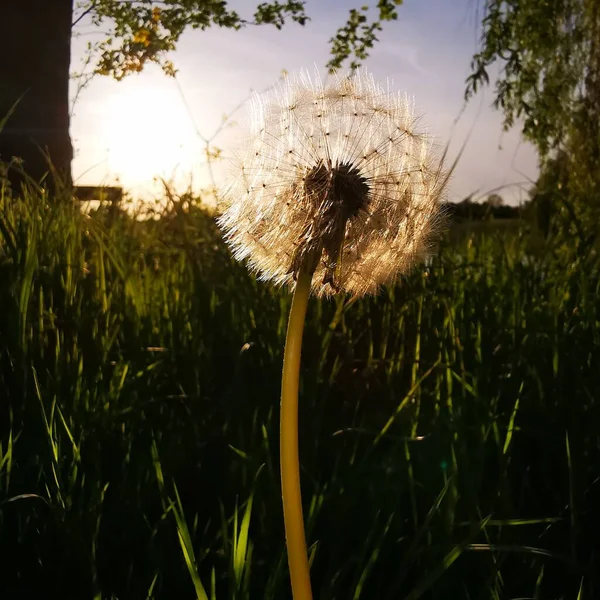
(448, 428)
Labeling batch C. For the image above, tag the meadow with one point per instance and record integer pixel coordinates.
(449, 427)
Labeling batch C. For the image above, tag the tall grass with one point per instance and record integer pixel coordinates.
(448, 427)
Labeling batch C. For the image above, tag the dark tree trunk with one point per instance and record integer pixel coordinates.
(35, 56)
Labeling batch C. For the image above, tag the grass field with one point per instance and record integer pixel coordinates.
(449, 427)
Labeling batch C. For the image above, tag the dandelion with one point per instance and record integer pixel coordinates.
(336, 177)
(337, 191)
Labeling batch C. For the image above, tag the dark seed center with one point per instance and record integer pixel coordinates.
(339, 189)
(335, 194)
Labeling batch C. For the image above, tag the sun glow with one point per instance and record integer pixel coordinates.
(148, 134)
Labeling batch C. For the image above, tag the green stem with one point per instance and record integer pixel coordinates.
(290, 464)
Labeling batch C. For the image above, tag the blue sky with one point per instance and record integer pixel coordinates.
(149, 125)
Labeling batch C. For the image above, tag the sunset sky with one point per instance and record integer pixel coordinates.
(150, 125)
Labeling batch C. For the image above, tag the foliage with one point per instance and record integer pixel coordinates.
(358, 35)
(144, 31)
(550, 189)
(549, 58)
(147, 30)
(448, 427)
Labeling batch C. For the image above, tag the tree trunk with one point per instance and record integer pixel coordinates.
(35, 56)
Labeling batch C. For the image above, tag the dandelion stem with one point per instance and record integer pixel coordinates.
(290, 464)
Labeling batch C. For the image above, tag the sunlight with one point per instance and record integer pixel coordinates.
(149, 134)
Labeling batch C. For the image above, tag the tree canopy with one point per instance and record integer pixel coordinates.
(549, 57)
(143, 31)
(548, 52)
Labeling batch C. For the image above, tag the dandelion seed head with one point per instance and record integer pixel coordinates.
(338, 177)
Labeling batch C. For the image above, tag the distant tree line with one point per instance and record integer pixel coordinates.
(546, 200)
(492, 208)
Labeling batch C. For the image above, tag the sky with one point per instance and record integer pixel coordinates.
(150, 126)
